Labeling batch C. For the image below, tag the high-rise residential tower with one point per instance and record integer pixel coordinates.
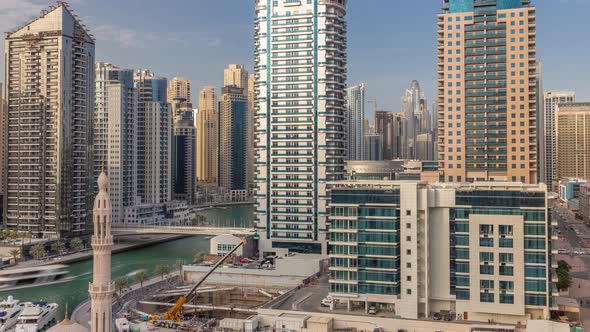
(2, 143)
(487, 91)
(233, 115)
(412, 110)
(154, 150)
(115, 134)
(184, 151)
(236, 75)
(551, 100)
(50, 101)
(355, 133)
(393, 129)
(179, 87)
(572, 124)
(207, 137)
(300, 61)
(250, 140)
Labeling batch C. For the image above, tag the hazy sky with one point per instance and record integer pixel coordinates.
(391, 42)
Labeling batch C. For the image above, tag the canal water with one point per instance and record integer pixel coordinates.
(128, 263)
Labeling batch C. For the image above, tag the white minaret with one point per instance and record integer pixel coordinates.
(101, 287)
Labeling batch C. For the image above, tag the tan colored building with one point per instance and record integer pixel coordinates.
(179, 87)
(487, 85)
(572, 123)
(207, 137)
(236, 75)
(584, 199)
(50, 103)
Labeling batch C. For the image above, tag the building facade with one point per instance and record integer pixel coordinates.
(550, 101)
(424, 147)
(174, 213)
(115, 134)
(585, 202)
(572, 122)
(50, 75)
(487, 91)
(154, 148)
(416, 249)
(207, 137)
(300, 61)
(250, 149)
(373, 147)
(233, 132)
(355, 132)
(184, 151)
(412, 108)
(393, 129)
(179, 87)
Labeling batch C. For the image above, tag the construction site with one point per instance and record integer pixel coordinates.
(221, 294)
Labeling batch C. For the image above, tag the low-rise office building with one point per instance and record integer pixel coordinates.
(480, 250)
(569, 189)
(585, 202)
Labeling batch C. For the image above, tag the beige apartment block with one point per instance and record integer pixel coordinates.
(487, 99)
(573, 140)
(207, 137)
(179, 88)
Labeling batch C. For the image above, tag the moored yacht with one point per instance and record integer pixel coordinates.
(33, 276)
(36, 316)
(10, 309)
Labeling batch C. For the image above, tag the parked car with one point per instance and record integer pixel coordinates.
(372, 310)
(437, 316)
(326, 302)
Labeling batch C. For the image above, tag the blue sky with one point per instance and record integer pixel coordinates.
(391, 42)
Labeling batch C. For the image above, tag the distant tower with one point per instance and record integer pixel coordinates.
(101, 288)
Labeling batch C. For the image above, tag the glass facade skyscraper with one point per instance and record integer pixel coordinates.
(355, 132)
(300, 70)
(487, 91)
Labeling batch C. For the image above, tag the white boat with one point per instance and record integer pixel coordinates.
(36, 316)
(10, 309)
(33, 276)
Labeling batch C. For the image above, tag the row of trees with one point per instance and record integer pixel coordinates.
(38, 251)
(161, 270)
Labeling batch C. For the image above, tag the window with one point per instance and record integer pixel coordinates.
(409, 291)
(486, 297)
(486, 269)
(506, 257)
(506, 270)
(486, 256)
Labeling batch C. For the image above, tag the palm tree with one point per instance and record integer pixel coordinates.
(14, 253)
(37, 251)
(141, 277)
(120, 284)
(58, 246)
(162, 270)
(76, 244)
(179, 264)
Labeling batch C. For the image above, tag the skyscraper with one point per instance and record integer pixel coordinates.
(393, 129)
(487, 91)
(207, 137)
(115, 134)
(412, 109)
(355, 103)
(551, 100)
(154, 148)
(250, 140)
(179, 87)
(184, 151)
(2, 144)
(373, 148)
(300, 116)
(50, 102)
(233, 116)
(236, 75)
(572, 124)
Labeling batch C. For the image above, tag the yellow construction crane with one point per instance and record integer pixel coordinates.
(175, 313)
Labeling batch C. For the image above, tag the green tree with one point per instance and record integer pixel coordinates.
(564, 280)
(162, 270)
(120, 284)
(198, 257)
(14, 253)
(141, 277)
(37, 251)
(58, 246)
(76, 244)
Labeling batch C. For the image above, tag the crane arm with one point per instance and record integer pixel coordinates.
(174, 312)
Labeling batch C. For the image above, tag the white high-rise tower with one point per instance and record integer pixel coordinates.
(300, 117)
(101, 287)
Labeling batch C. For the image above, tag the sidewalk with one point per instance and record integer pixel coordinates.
(122, 243)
